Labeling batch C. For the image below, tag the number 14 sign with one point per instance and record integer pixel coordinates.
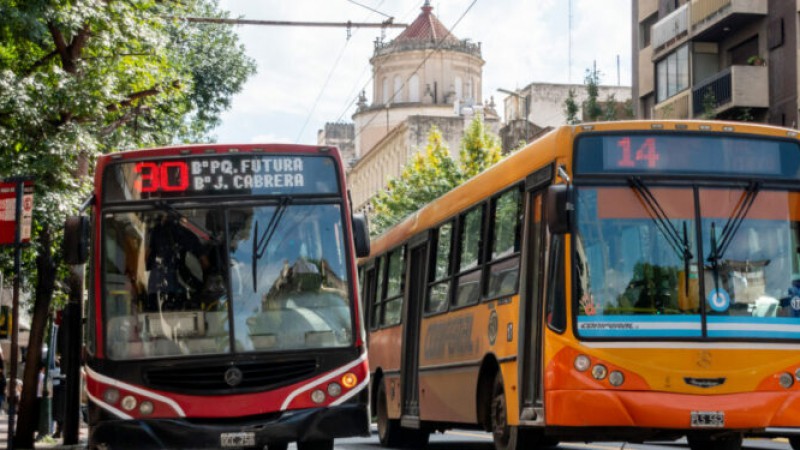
(645, 154)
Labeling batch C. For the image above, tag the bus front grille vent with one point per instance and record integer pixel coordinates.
(239, 376)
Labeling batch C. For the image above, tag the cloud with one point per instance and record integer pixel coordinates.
(521, 41)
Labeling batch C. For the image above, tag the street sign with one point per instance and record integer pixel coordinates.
(8, 212)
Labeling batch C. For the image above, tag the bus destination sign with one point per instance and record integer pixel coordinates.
(687, 154)
(242, 174)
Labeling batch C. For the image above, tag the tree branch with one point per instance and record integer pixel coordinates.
(41, 62)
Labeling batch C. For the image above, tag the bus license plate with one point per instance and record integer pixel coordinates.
(242, 439)
(708, 419)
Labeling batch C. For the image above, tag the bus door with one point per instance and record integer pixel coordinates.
(417, 279)
(531, 295)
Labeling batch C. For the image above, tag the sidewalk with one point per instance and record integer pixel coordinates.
(48, 443)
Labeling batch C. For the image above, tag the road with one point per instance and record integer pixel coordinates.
(474, 440)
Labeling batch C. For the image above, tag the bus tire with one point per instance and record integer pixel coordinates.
(794, 441)
(389, 432)
(731, 441)
(507, 437)
(326, 444)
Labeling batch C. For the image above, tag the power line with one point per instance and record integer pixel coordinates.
(435, 50)
(389, 23)
(371, 9)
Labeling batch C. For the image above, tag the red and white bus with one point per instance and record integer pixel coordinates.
(223, 307)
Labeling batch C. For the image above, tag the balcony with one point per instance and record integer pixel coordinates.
(671, 29)
(711, 20)
(734, 87)
(675, 107)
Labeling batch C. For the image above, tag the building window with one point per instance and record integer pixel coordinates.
(398, 89)
(386, 90)
(672, 74)
(644, 30)
(413, 88)
(459, 87)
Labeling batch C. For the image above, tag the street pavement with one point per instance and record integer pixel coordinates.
(48, 442)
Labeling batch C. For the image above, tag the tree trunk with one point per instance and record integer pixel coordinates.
(28, 420)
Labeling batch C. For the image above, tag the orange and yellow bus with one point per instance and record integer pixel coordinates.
(610, 281)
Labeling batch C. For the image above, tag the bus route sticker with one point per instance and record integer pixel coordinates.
(719, 300)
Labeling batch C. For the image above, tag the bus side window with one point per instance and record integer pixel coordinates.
(468, 285)
(439, 288)
(555, 313)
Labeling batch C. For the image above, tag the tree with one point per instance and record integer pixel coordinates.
(591, 107)
(82, 78)
(429, 174)
(571, 108)
(480, 149)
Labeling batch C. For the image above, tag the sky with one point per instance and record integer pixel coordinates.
(308, 76)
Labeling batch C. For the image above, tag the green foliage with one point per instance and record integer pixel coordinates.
(432, 172)
(78, 79)
(429, 174)
(571, 108)
(591, 107)
(480, 148)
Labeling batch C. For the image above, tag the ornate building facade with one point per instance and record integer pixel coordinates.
(424, 77)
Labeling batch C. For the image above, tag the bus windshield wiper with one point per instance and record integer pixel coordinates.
(195, 228)
(260, 242)
(680, 244)
(719, 246)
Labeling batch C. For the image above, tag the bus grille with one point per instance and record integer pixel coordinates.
(252, 376)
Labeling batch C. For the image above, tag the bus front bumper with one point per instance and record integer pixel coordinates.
(301, 425)
(755, 411)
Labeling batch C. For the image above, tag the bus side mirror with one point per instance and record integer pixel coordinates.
(361, 235)
(560, 208)
(76, 239)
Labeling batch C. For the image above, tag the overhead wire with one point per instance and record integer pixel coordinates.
(437, 49)
(354, 93)
(330, 75)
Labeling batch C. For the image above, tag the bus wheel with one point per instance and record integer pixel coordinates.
(507, 437)
(794, 441)
(388, 429)
(315, 445)
(721, 442)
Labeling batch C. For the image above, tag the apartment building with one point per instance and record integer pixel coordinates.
(728, 59)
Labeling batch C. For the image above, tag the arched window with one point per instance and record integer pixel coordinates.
(459, 89)
(413, 88)
(385, 95)
(398, 89)
(470, 94)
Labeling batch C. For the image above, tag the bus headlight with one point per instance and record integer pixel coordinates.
(616, 378)
(599, 372)
(318, 396)
(786, 380)
(582, 363)
(111, 396)
(128, 403)
(334, 389)
(146, 408)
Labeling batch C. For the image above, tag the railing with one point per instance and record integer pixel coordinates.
(671, 27)
(464, 46)
(712, 92)
(703, 9)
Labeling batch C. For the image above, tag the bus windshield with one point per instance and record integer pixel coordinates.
(638, 274)
(181, 282)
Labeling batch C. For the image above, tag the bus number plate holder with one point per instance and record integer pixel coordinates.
(708, 419)
(240, 439)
